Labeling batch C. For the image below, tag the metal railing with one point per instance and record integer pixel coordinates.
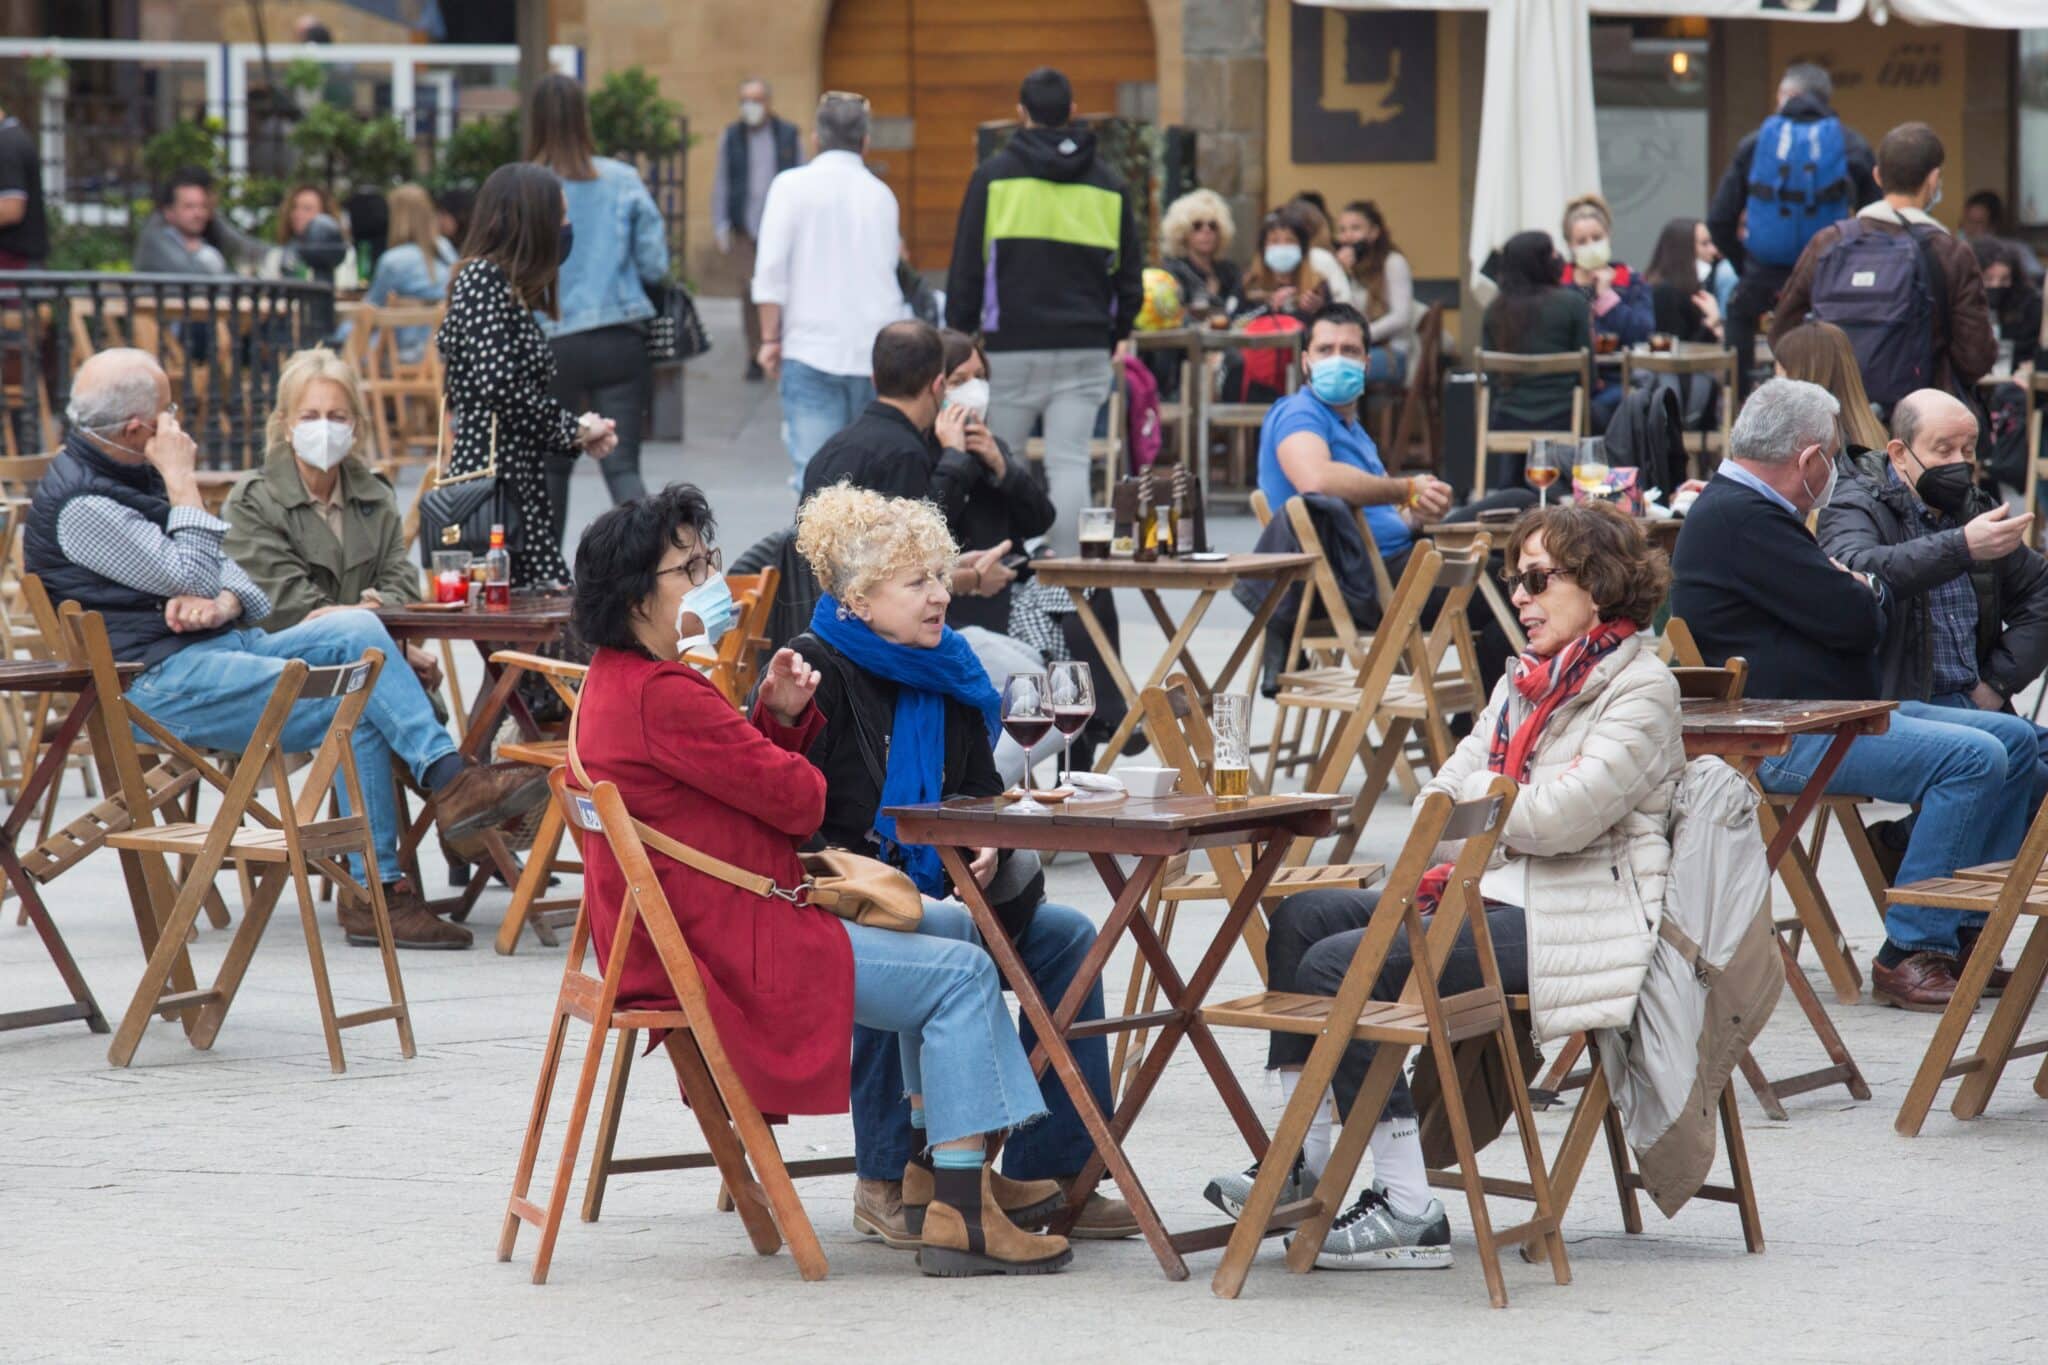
(221, 340)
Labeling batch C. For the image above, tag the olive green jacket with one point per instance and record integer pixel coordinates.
(277, 534)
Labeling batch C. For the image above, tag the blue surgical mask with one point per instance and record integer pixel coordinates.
(711, 603)
(1337, 379)
(1282, 258)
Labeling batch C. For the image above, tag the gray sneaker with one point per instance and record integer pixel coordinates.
(1229, 1192)
(1371, 1236)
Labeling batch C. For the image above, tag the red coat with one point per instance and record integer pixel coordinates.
(779, 979)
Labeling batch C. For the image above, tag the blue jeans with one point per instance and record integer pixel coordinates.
(816, 406)
(1971, 773)
(1384, 365)
(1959, 701)
(942, 1000)
(211, 694)
(1052, 949)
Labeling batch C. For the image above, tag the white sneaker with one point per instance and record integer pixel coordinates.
(1371, 1236)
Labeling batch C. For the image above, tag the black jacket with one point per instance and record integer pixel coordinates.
(1869, 526)
(853, 754)
(884, 452)
(1058, 263)
(1732, 195)
(1751, 581)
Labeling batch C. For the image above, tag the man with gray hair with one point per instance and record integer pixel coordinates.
(117, 526)
(825, 280)
(1751, 581)
(756, 147)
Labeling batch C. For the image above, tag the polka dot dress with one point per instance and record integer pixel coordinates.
(498, 363)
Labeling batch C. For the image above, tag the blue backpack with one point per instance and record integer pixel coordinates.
(1798, 184)
(1881, 288)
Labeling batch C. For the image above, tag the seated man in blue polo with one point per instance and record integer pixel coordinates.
(1312, 443)
(117, 526)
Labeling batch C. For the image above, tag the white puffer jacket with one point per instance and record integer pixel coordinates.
(1587, 848)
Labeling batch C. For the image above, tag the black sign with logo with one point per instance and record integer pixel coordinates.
(1364, 85)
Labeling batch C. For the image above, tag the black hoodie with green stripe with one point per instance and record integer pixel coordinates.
(1047, 255)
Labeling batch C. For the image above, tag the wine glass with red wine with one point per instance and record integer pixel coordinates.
(1027, 719)
(1073, 705)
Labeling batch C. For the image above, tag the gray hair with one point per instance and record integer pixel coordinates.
(115, 387)
(766, 88)
(1807, 78)
(1782, 418)
(842, 123)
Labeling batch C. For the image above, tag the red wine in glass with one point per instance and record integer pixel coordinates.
(1071, 720)
(1027, 730)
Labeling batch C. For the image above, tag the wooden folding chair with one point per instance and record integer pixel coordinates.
(403, 395)
(733, 1128)
(735, 665)
(1422, 1017)
(1422, 402)
(1432, 693)
(289, 841)
(544, 858)
(1714, 361)
(1510, 365)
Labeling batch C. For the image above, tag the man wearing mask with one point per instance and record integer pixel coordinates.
(755, 148)
(1751, 581)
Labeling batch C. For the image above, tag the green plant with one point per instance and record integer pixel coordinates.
(46, 68)
(382, 155)
(304, 76)
(475, 149)
(334, 146)
(74, 246)
(630, 119)
(324, 135)
(185, 144)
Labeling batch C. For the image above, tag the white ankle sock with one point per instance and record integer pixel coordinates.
(1322, 1129)
(1397, 1164)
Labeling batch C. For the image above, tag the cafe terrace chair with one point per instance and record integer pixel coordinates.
(1421, 1018)
(1716, 362)
(742, 1145)
(1496, 365)
(403, 395)
(544, 858)
(1421, 400)
(1443, 677)
(1236, 418)
(735, 665)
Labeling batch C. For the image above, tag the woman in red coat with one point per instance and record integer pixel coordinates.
(785, 983)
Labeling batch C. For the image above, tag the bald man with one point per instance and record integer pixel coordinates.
(117, 526)
(1969, 624)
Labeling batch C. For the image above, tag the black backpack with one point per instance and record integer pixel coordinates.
(1886, 290)
(1648, 432)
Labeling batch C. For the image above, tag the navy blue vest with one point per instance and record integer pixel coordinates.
(735, 153)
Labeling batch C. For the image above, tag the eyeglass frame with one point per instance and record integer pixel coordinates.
(707, 562)
(1537, 581)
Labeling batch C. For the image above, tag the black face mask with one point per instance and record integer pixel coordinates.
(1995, 297)
(1946, 487)
(565, 243)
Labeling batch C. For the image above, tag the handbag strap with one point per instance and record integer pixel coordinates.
(441, 451)
(697, 859)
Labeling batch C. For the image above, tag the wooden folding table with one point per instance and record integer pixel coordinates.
(1745, 733)
(1154, 831)
(1205, 578)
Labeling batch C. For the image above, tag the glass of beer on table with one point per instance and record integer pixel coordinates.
(1230, 772)
(1098, 528)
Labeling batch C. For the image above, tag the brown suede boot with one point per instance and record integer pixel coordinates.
(484, 795)
(412, 924)
(1030, 1204)
(878, 1212)
(965, 1233)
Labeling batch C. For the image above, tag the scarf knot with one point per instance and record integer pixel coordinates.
(1546, 684)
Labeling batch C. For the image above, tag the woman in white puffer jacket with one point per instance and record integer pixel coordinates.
(1587, 725)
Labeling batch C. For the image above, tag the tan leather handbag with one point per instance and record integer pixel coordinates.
(850, 885)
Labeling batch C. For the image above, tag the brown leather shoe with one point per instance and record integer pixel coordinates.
(965, 1233)
(1923, 982)
(412, 924)
(2001, 975)
(1030, 1204)
(1102, 1219)
(878, 1211)
(484, 795)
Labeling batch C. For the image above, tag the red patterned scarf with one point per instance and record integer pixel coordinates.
(1548, 684)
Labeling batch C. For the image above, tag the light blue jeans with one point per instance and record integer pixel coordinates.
(1063, 390)
(942, 997)
(816, 406)
(211, 694)
(1970, 772)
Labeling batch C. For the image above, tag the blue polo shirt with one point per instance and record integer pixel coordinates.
(1348, 445)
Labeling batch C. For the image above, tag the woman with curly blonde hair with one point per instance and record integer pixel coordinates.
(1193, 238)
(911, 716)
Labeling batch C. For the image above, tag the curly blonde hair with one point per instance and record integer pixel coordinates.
(853, 538)
(1194, 207)
(301, 370)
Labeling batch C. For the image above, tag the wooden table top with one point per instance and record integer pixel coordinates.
(52, 675)
(1760, 718)
(532, 616)
(1136, 825)
(1178, 572)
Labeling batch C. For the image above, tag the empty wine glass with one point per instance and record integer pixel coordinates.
(1546, 462)
(1027, 718)
(1073, 704)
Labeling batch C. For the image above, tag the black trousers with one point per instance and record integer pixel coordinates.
(1314, 937)
(1756, 293)
(605, 371)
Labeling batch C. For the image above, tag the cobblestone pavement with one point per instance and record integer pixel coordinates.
(243, 1203)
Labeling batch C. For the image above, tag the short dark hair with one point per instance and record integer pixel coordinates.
(1604, 551)
(1908, 155)
(1993, 205)
(1337, 315)
(959, 348)
(317, 32)
(1047, 97)
(516, 224)
(617, 557)
(1809, 78)
(908, 357)
(185, 177)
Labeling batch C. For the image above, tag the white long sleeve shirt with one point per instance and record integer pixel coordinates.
(827, 254)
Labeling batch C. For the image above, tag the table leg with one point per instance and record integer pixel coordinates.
(1248, 643)
(500, 693)
(1113, 664)
(55, 754)
(1177, 638)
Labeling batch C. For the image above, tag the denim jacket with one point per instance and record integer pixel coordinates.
(621, 247)
(402, 273)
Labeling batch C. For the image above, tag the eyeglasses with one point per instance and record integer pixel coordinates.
(698, 567)
(169, 410)
(1537, 581)
(1201, 224)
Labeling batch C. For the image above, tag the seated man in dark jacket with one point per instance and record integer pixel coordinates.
(1751, 581)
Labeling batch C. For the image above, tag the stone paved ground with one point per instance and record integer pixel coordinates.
(246, 1204)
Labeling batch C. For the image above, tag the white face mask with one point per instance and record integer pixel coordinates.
(1593, 254)
(1706, 271)
(972, 395)
(752, 112)
(322, 444)
(1827, 492)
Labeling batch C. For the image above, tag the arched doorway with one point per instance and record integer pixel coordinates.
(934, 70)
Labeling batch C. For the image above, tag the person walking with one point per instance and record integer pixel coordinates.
(24, 225)
(1048, 267)
(825, 280)
(754, 149)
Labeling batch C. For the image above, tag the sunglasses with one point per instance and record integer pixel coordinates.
(1537, 581)
(1202, 224)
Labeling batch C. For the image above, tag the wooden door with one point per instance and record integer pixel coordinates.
(933, 70)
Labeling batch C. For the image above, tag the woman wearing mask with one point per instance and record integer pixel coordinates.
(1281, 280)
(1620, 302)
(498, 370)
(1534, 315)
(1715, 273)
(910, 716)
(415, 265)
(1001, 501)
(1385, 285)
(1307, 209)
(599, 333)
(2015, 307)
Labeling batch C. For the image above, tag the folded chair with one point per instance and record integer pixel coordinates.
(1422, 1017)
(1326, 639)
(543, 858)
(739, 1137)
(288, 840)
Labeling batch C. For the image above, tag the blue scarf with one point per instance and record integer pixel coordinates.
(925, 678)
